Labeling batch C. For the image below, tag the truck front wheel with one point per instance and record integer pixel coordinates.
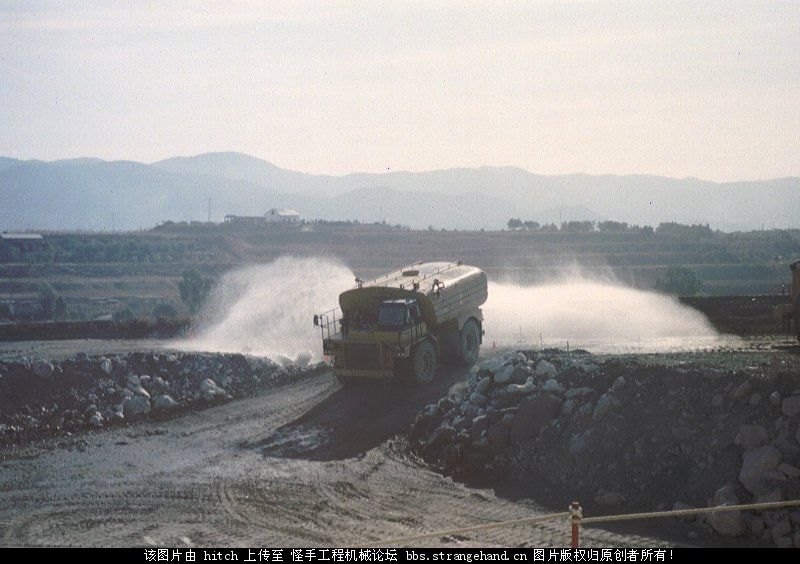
(423, 364)
(469, 342)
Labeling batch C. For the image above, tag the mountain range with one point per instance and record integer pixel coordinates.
(93, 194)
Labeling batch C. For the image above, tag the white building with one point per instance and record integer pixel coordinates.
(281, 216)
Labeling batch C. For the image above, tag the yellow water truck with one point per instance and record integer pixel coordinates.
(406, 323)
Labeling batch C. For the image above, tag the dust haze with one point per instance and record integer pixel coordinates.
(601, 315)
(266, 310)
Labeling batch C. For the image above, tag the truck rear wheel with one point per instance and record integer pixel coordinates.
(469, 342)
(422, 365)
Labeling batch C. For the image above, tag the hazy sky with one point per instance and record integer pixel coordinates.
(707, 89)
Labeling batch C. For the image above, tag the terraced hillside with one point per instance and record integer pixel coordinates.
(98, 272)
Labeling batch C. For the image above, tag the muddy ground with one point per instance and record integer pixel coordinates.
(298, 463)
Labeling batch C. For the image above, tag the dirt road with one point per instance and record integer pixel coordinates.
(303, 464)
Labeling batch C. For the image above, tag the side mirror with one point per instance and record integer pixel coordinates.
(316, 320)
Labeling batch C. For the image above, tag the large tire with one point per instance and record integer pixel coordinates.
(469, 342)
(422, 364)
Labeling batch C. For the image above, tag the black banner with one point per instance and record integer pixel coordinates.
(332, 555)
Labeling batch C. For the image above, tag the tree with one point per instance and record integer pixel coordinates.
(612, 227)
(532, 225)
(514, 223)
(679, 280)
(52, 305)
(194, 289)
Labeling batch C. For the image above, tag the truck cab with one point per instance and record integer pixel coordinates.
(398, 315)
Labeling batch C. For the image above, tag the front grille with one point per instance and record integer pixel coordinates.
(359, 356)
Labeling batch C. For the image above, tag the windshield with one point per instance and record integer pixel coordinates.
(392, 315)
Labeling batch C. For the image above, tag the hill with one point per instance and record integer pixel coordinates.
(99, 195)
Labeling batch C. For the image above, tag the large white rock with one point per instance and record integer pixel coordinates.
(105, 366)
(493, 364)
(164, 401)
(503, 376)
(137, 405)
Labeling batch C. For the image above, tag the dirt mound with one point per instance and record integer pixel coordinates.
(41, 398)
(626, 433)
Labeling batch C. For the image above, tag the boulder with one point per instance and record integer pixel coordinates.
(756, 525)
(137, 405)
(520, 375)
(742, 390)
(606, 402)
(533, 415)
(444, 405)
(751, 436)
(780, 529)
(790, 471)
(96, 420)
(493, 364)
(164, 401)
(775, 398)
(504, 375)
(790, 406)
(483, 385)
(140, 391)
(553, 386)
(545, 369)
(758, 464)
(618, 384)
(732, 523)
(133, 380)
(578, 392)
(681, 506)
(42, 369)
(477, 398)
(105, 366)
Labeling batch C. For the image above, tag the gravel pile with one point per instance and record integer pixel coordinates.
(39, 398)
(622, 435)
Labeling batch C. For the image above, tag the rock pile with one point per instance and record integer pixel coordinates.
(41, 398)
(621, 434)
